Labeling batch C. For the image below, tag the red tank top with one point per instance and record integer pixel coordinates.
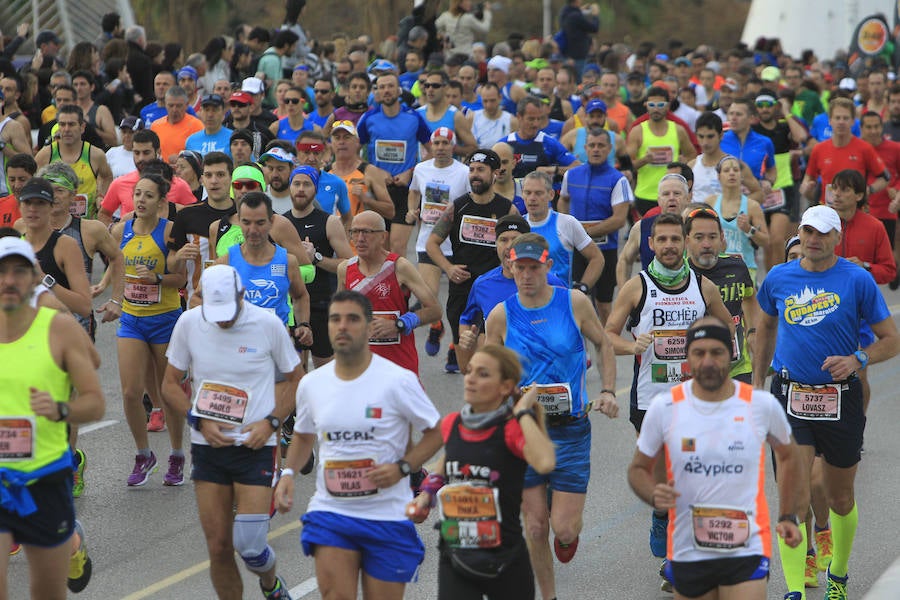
(389, 301)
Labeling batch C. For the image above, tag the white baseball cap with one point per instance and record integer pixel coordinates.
(822, 218)
(13, 246)
(500, 62)
(253, 85)
(221, 287)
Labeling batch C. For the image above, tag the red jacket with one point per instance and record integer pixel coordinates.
(865, 237)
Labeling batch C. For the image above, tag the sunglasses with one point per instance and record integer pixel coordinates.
(292, 100)
(322, 91)
(237, 104)
(248, 185)
(703, 211)
(765, 104)
(656, 104)
(432, 86)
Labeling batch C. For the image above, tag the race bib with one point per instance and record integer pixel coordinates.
(16, 439)
(660, 155)
(815, 402)
(143, 294)
(221, 402)
(470, 515)
(390, 151)
(773, 200)
(720, 529)
(432, 211)
(478, 230)
(598, 239)
(79, 205)
(394, 338)
(670, 344)
(556, 398)
(349, 478)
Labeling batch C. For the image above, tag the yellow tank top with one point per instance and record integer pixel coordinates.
(85, 202)
(141, 299)
(28, 362)
(665, 149)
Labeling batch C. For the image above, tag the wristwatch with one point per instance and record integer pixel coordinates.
(753, 230)
(405, 469)
(790, 517)
(581, 287)
(401, 325)
(48, 281)
(62, 408)
(274, 421)
(317, 258)
(863, 357)
(158, 279)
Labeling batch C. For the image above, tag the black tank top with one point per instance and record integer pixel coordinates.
(505, 471)
(556, 112)
(313, 226)
(48, 262)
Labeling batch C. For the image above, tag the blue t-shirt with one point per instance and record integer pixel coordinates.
(153, 111)
(409, 79)
(391, 141)
(288, 133)
(491, 289)
(317, 119)
(821, 127)
(204, 143)
(757, 150)
(819, 314)
(541, 151)
(331, 192)
(477, 105)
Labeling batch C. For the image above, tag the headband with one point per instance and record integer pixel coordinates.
(709, 332)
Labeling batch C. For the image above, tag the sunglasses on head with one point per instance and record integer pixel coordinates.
(245, 184)
(703, 211)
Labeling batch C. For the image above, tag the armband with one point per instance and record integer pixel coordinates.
(431, 485)
(410, 321)
(308, 273)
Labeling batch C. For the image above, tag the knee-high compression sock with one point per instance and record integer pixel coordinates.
(793, 563)
(843, 530)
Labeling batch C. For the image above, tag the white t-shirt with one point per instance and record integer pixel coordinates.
(281, 205)
(120, 160)
(438, 186)
(361, 423)
(714, 452)
(244, 356)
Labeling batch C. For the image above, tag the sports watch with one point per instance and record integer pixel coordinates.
(62, 408)
(405, 469)
(274, 422)
(863, 357)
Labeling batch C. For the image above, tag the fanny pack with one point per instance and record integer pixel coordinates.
(482, 564)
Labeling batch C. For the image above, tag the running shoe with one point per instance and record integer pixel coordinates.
(310, 464)
(143, 467)
(175, 474)
(658, 533)
(279, 592)
(78, 473)
(433, 343)
(452, 366)
(793, 596)
(835, 587)
(80, 566)
(811, 574)
(14, 549)
(157, 420)
(564, 552)
(664, 584)
(823, 549)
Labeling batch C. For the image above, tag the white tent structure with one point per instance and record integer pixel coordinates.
(825, 26)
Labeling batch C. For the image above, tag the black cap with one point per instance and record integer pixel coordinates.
(45, 37)
(212, 99)
(486, 156)
(511, 223)
(131, 122)
(242, 134)
(37, 187)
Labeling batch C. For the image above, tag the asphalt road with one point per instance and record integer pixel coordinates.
(147, 542)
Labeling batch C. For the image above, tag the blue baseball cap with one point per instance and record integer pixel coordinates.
(595, 104)
(591, 67)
